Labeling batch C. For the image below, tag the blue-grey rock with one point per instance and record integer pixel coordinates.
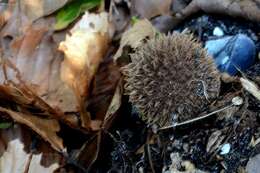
(232, 53)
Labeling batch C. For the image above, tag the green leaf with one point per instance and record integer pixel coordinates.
(71, 11)
(134, 20)
(5, 125)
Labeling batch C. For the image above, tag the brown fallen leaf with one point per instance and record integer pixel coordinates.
(114, 106)
(119, 17)
(24, 12)
(32, 70)
(35, 58)
(15, 18)
(5, 14)
(105, 102)
(16, 150)
(46, 128)
(104, 85)
(135, 36)
(34, 9)
(163, 23)
(248, 9)
(84, 49)
(83, 157)
(151, 8)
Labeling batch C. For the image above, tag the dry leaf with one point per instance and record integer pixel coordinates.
(84, 49)
(16, 18)
(163, 23)
(248, 9)
(251, 87)
(46, 128)
(5, 14)
(36, 61)
(151, 8)
(135, 36)
(103, 90)
(214, 141)
(114, 105)
(83, 157)
(15, 152)
(34, 9)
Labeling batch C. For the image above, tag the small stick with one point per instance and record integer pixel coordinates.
(236, 101)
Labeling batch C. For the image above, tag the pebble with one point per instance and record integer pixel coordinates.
(225, 149)
(237, 101)
(218, 32)
(232, 53)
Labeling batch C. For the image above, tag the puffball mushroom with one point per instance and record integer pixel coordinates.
(171, 79)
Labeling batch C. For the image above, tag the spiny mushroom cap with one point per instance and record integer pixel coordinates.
(171, 79)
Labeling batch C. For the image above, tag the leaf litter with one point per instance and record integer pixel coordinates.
(61, 84)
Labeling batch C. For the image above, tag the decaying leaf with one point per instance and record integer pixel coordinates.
(85, 158)
(104, 85)
(105, 100)
(163, 23)
(16, 153)
(114, 105)
(248, 9)
(251, 87)
(151, 8)
(46, 128)
(214, 141)
(84, 49)
(35, 9)
(4, 14)
(33, 61)
(135, 36)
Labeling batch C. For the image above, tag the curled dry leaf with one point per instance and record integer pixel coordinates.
(46, 128)
(135, 36)
(16, 152)
(251, 87)
(84, 49)
(248, 9)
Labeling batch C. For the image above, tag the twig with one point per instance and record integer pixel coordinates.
(236, 101)
(196, 119)
(150, 158)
